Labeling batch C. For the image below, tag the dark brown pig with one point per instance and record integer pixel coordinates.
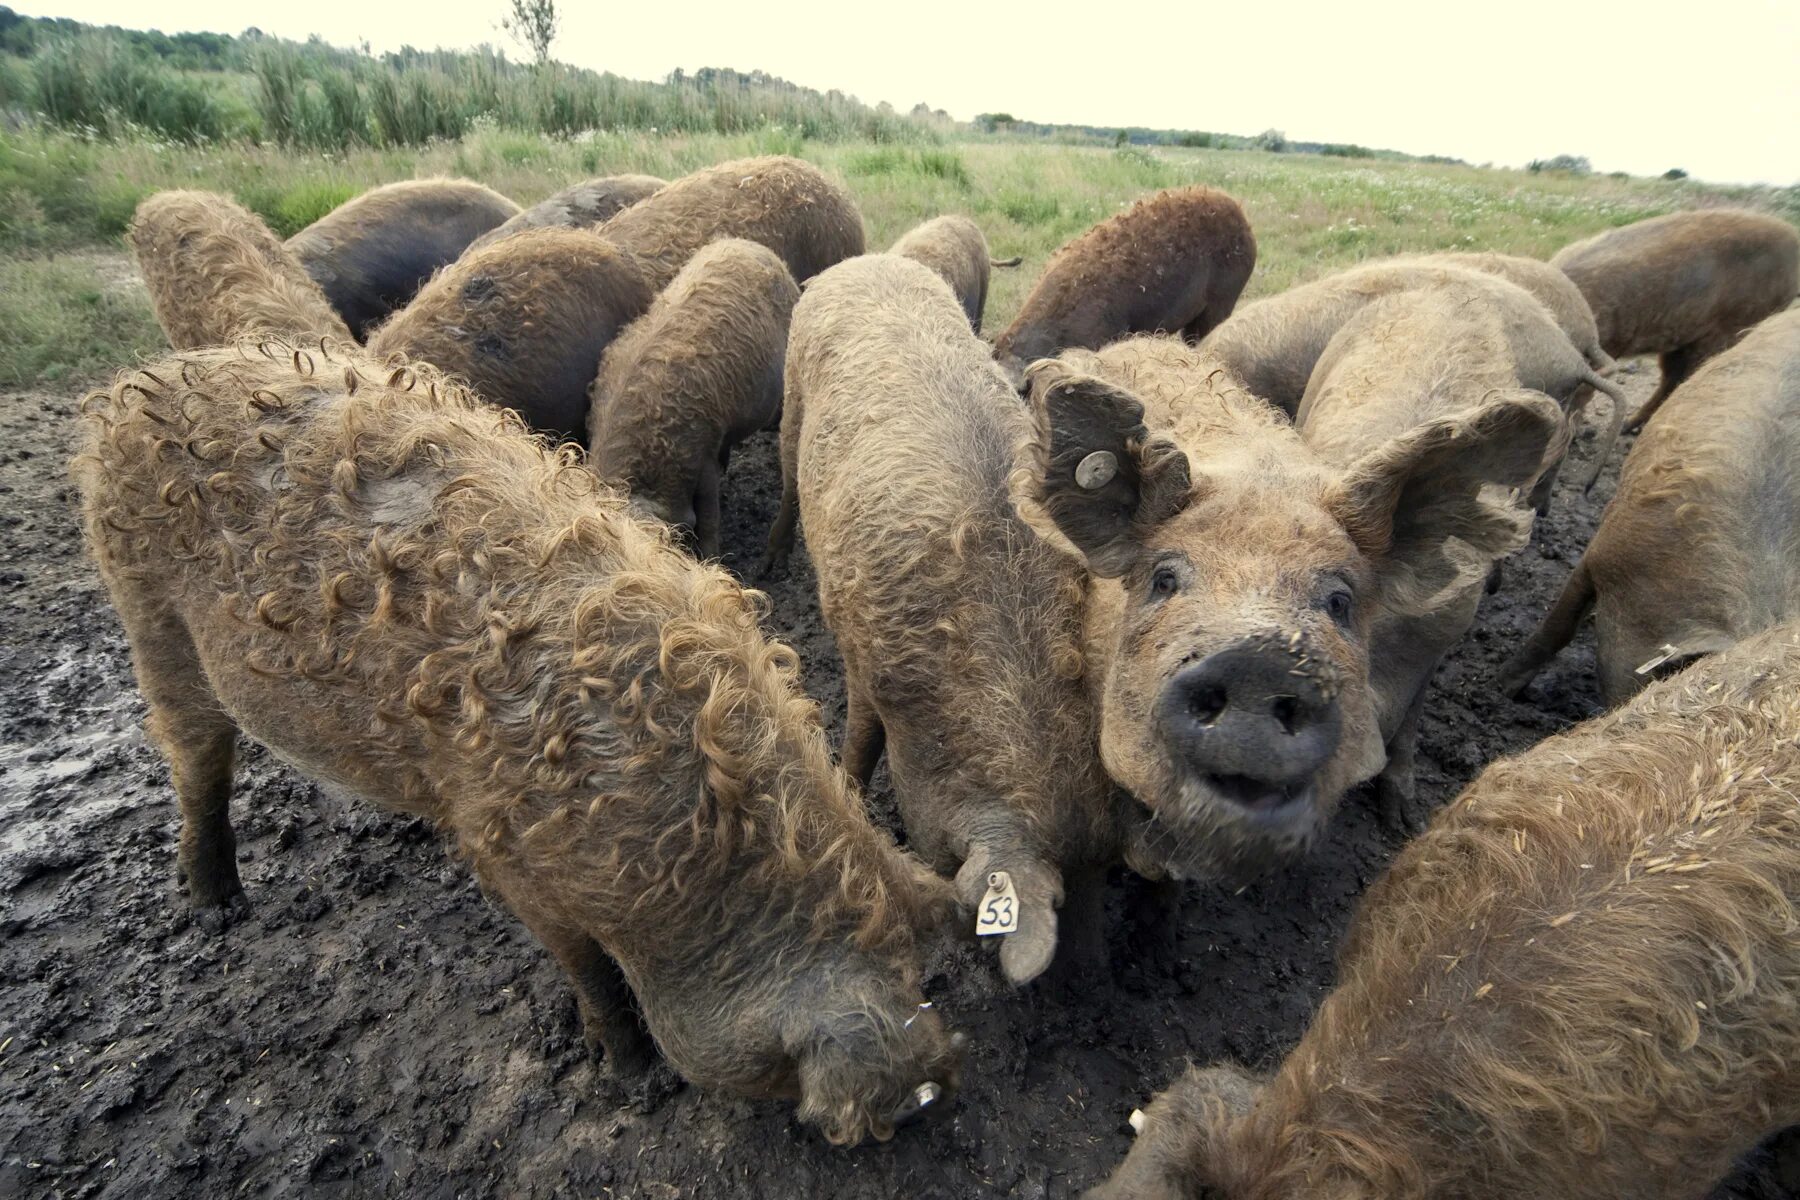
(688, 380)
(1579, 983)
(1404, 360)
(399, 590)
(955, 248)
(1683, 286)
(582, 206)
(1701, 544)
(372, 254)
(783, 203)
(1173, 262)
(525, 320)
(214, 272)
(958, 626)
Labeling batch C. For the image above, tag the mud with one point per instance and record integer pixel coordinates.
(376, 1027)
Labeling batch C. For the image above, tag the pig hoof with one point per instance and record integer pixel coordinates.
(651, 1089)
(1390, 804)
(217, 918)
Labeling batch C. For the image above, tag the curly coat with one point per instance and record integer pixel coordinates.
(1173, 262)
(581, 206)
(1683, 286)
(400, 591)
(1579, 983)
(525, 321)
(956, 249)
(372, 254)
(1700, 545)
(783, 203)
(959, 627)
(691, 378)
(214, 272)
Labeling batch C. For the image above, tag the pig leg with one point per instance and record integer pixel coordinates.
(864, 738)
(1540, 491)
(781, 533)
(610, 1021)
(198, 738)
(706, 513)
(1676, 366)
(1395, 786)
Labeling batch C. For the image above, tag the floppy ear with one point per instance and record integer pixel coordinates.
(1094, 474)
(1404, 502)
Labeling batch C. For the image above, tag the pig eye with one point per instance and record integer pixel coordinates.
(1164, 582)
(1339, 606)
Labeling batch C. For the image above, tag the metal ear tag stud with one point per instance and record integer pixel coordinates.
(1096, 470)
(999, 911)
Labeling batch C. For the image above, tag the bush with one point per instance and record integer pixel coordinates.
(1674, 173)
(1272, 140)
(1569, 164)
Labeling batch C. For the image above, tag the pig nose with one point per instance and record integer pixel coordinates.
(1254, 720)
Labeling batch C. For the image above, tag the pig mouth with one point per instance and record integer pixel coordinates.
(1259, 798)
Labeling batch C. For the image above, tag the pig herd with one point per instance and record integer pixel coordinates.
(427, 501)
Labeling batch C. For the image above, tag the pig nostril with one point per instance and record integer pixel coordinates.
(1206, 704)
(1286, 710)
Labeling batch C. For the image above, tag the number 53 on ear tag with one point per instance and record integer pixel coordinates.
(999, 911)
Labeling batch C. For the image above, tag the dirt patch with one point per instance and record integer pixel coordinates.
(376, 1027)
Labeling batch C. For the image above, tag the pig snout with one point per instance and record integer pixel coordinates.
(1254, 722)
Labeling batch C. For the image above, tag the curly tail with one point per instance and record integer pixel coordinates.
(1552, 634)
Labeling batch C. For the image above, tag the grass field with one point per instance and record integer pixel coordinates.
(70, 312)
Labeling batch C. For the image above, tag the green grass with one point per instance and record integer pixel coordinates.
(1312, 214)
(65, 320)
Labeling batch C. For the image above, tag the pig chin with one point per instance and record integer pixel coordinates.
(1226, 830)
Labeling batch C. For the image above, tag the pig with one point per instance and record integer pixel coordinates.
(688, 380)
(1700, 546)
(525, 320)
(957, 624)
(1173, 262)
(784, 203)
(1683, 286)
(1235, 581)
(582, 206)
(214, 271)
(1225, 582)
(954, 247)
(1551, 287)
(372, 254)
(400, 591)
(1578, 983)
(1404, 360)
(1271, 347)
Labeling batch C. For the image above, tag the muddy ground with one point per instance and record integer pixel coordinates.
(377, 1027)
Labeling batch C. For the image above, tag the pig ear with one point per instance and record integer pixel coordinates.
(1095, 476)
(1404, 502)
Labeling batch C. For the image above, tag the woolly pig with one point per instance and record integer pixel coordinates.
(214, 271)
(783, 203)
(525, 320)
(1236, 582)
(1173, 262)
(401, 592)
(1579, 983)
(1271, 347)
(688, 380)
(581, 206)
(372, 254)
(958, 626)
(1405, 360)
(1700, 546)
(1683, 286)
(955, 248)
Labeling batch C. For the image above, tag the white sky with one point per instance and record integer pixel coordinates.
(1636, 85)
